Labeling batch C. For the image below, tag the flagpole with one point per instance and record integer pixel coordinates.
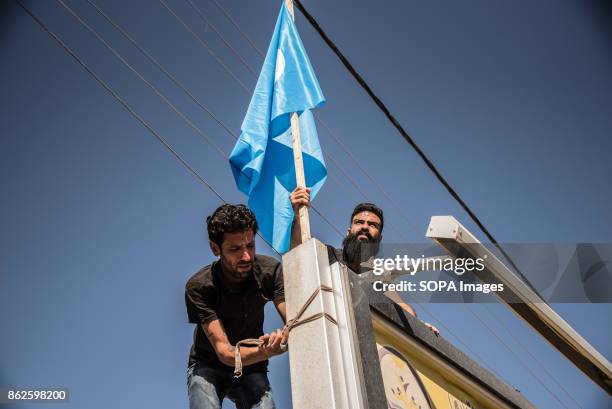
(303, 220)
(325, 368)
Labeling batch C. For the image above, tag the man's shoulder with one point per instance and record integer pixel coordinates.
(202, 278)
(334, 254)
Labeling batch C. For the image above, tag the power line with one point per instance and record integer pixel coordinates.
(407, 137)
(223, 39)
(211, 25)
(500, 339)
(159, 94)
(340, 168)
(366, 173)
(131, 68)
(338, 141)
(124, 103)
(129, 109)
(227, 14)
(465, 345)
(536, 360)
(161, 68)
(203, 44)
(237, 26)
(174, 80)
(207, 21)
(224, 66)
(342, 146)
(329, 130)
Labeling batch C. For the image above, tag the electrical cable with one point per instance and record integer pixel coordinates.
(378, 102)
(535, 359)
(206, 46)
(237, 26)
(211, 25)
(159, 94)
(466, 346)
(131, 68)
(129, 109)
(354, 184)
(329, 130)
(161, 68)
(500, 339)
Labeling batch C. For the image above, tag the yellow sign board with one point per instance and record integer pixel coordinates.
(407, 388)
(417, 378)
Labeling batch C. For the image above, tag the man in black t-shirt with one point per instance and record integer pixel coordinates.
(365, 227)
(226, 302)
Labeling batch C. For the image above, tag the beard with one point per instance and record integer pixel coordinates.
(355, 251)
(239, 272)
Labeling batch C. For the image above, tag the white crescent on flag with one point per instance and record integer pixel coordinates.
(280, 65)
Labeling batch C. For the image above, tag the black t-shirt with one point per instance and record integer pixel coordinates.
(240, 310)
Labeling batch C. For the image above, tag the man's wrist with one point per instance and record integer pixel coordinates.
(266, 353)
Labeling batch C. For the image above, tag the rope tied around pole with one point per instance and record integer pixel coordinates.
(292, 323)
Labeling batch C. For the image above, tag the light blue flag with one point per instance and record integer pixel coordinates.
(262, 160)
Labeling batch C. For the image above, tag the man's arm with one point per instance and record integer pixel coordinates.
(393, 295)
(408, 308)
(296, 234)
(282, 310)
(225, 351)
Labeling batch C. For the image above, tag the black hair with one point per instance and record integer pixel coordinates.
(369, 207)
(229, 219)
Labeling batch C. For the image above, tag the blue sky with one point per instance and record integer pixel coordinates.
(101, 226)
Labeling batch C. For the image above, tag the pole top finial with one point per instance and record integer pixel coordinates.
(289, 4)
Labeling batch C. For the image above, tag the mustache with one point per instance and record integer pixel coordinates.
(365, 232)
(355, 250)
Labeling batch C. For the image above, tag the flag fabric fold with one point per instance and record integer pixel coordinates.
(262, 159)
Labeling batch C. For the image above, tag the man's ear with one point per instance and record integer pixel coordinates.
(215, 249)
(348, 231)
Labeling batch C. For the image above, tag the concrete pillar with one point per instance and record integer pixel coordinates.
(326, 372)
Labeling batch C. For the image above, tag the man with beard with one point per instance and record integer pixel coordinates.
(226, 302)
(362, 240)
